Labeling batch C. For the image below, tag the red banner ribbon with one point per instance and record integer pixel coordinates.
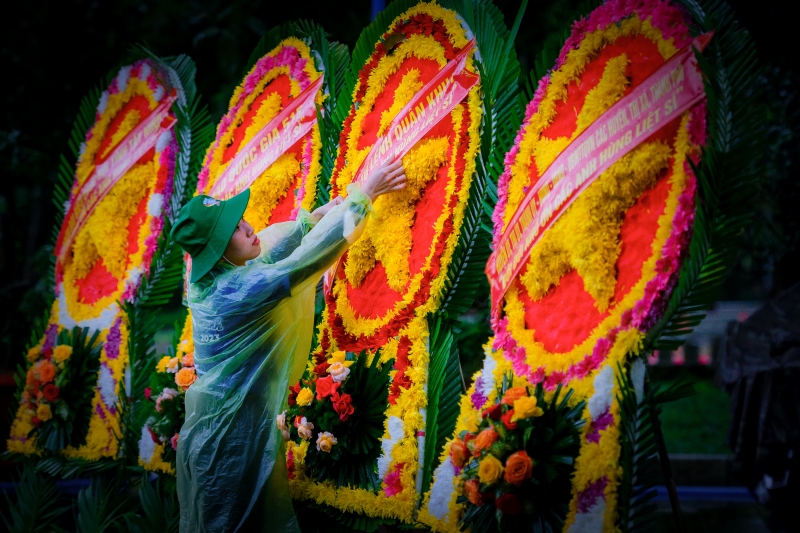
(108, 173)
(672, 89)
(434, 101)
(271, 142)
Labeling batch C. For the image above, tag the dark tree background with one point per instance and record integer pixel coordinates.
(54, 52)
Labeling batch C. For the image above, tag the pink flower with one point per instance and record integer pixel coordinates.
(554, 380)
(174, 442)
(392, 480)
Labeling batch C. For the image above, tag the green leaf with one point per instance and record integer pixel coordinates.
(37, 507)
(159, 510)
(101, 506)
(445, 388)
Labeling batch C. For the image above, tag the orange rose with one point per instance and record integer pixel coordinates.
(485, 438)
(472, 488)
(519, 468)
(514, 393)
(188, 359)
(185, 377)
(459, 453)
(46, 371)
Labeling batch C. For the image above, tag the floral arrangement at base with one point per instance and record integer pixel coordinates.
(112, 259)
(517, 461)
(334, 420)
(58, 391)
(164, 412)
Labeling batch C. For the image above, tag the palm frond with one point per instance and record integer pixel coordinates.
(141, 362)
(70, 468)
(159, 510)
(640, 430)
(444, 384)
(37, 507)
(315, 516)
(727, 176)
(101, 506)
(502, 116)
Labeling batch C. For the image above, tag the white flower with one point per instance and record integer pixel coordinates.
(67, 205)
(442, 489)
(486, 381)
(305, 429)
(134, 277)
(103, 103)
(163, 140)
(281, 420)
(155, 204)
(158, 94)
(338, 371)
(591, 521)
(396, 429)
(172, 366)
(146, 446)
(166, 394)
(102, 322)
(144, 71)
(326, 441)
(123, 77)
(108, 386)
(603, 392)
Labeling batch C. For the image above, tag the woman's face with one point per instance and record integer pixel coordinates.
(244, 244)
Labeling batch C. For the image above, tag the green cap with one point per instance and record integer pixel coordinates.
(204, 227)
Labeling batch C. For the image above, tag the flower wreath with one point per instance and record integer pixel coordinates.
(395, 275)
(575, 312)
(112, 253)
(272, 83)
(284, 64)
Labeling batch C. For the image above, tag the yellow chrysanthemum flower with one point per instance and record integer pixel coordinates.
(162, 364)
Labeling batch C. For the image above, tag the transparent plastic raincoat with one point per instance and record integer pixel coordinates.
(252, 335)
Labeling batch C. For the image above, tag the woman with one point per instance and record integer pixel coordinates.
(252, 302)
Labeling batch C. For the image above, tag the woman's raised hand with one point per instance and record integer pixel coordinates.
(388, 178)
(322, 210)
